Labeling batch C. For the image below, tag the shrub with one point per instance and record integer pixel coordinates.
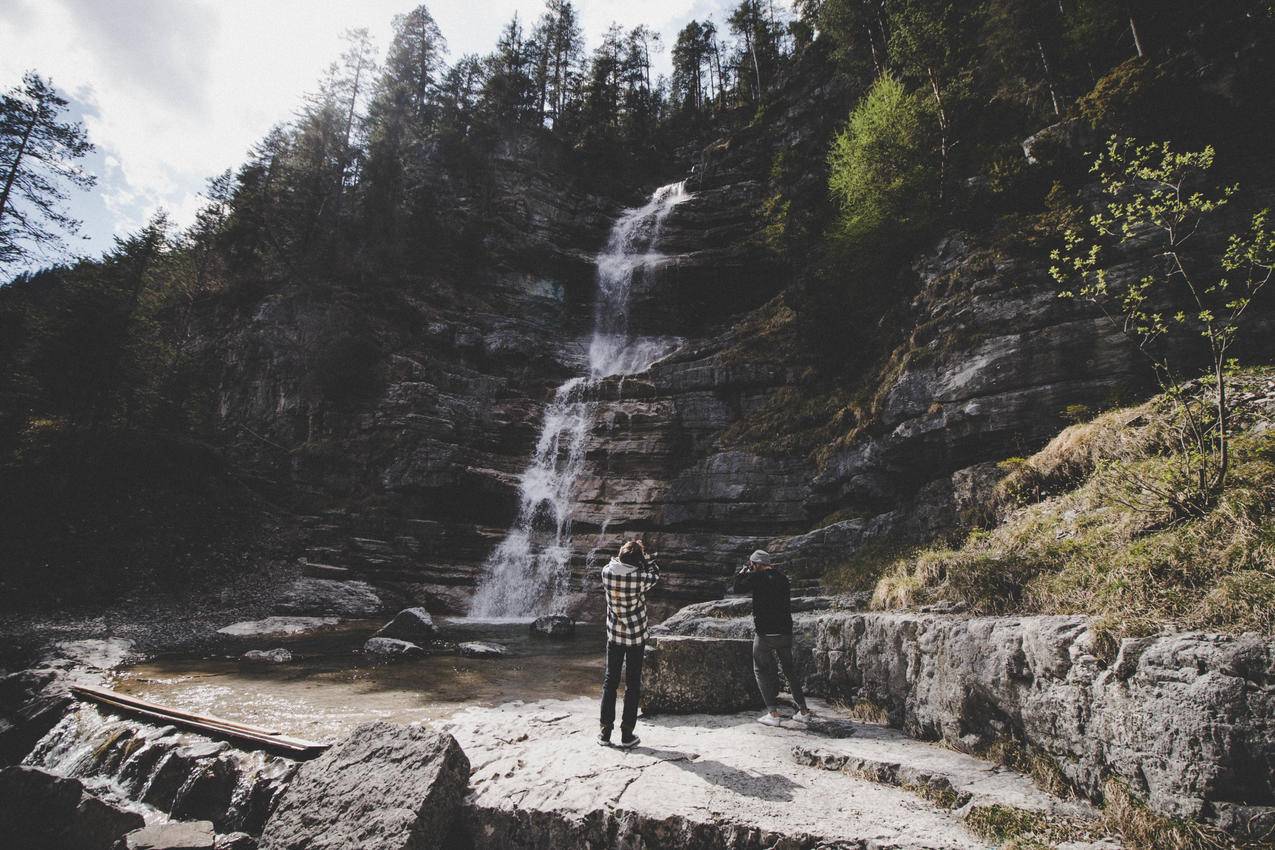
(882, 166)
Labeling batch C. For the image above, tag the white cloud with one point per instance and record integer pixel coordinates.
(175, 91)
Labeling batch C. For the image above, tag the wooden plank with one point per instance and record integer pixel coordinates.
(216, 727)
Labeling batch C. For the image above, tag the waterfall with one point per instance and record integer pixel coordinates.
(527, 573)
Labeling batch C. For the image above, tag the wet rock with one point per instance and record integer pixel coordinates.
(96, 654)
(174, 771)
(31, 721)
(481, 649)
(383, 647)
(174, 835)
(272, 626)
(384, 786)
(320, 596)
(411, 624)
(694, 674)
(554, 626)
(50, 812)
(266, 656)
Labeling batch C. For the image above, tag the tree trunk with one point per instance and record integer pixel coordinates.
(1223, 437)
(1133, 30)
(943, 128)
(752, 46)
(1049, 76)
(12, 176)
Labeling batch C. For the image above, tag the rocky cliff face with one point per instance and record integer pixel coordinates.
(396, 419)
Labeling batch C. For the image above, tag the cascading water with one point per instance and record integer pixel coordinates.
(527, 573)
(161, 772)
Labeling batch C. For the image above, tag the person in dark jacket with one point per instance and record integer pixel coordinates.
(772, 619)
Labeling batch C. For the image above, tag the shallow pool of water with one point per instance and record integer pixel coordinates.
(330, 687)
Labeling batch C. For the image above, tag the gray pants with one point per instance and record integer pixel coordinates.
(765, 649)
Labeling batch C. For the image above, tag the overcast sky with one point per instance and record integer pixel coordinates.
(175, 91)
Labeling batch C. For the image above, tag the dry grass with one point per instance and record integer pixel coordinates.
(1068, 540)
(1139, 828)
(864, 568)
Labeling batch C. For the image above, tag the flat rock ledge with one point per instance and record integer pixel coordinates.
(279, 626)
(1186, 720)
(540, 780)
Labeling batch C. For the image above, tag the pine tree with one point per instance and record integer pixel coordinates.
(508, 93)
(559, 48)
(38, 156)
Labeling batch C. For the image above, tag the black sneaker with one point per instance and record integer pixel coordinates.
(628, 739)
(604, 737)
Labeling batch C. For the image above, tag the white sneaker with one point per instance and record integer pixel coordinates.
(803, 716)
(769, 719)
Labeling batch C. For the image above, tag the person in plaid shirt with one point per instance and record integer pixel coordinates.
(626, 579)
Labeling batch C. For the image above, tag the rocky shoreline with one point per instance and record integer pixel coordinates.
(917, 707)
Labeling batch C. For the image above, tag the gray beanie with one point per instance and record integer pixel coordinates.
(761, 556)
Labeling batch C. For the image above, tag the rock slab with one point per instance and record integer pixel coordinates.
(386, 787)
(708, 782)
(44, 811)
(692, 674)
(174, 835)
(481, 649)
(278, 626)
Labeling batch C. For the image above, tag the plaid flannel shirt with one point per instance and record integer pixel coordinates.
(626, 589)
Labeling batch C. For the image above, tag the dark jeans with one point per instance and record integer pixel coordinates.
(630, 657)
(765, 649)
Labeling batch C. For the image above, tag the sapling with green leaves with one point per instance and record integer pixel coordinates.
(1161, 197)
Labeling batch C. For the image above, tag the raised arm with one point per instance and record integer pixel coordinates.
(650, 576)
(743, 581)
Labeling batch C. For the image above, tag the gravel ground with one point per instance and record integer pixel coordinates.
(155, 622)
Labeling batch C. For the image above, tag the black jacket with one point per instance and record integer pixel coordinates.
(772, 602)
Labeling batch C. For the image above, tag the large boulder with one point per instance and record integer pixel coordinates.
(553, 626)
(386, 787)
(320, 596)
(411, 624)
(40, 810)
(174, 835)
(685, 675)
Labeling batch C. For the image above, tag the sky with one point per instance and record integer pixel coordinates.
(173, 92)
